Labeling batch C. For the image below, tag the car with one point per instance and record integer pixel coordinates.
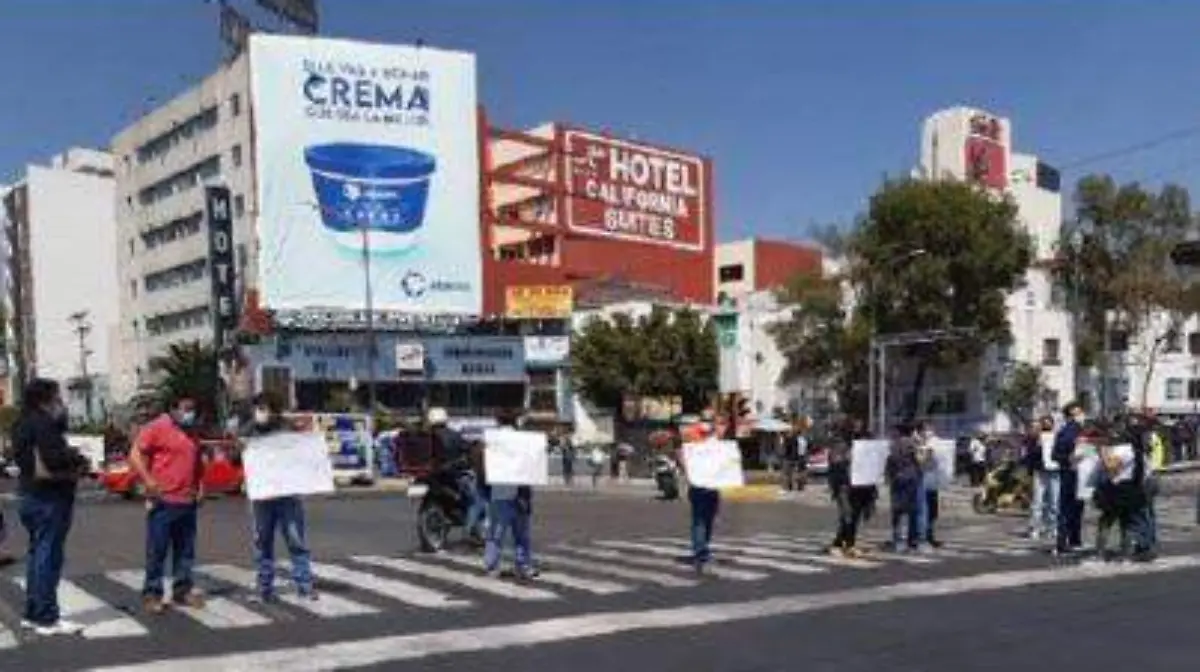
(818, 460)
(223, 473)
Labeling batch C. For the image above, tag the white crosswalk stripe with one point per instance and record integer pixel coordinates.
(753, 559)
(776, 541)
(550, 577)
(654, 562)
(219, 613)
(472, 581)
(327, 606)
(717, 571)
(99, 620)
(649, 576)
(401, 591)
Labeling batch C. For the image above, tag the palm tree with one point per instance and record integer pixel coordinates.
(186, 370)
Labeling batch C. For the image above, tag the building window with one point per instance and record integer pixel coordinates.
(131, 247)
(239, 206)
(235, 104)
(1050, 352)
(176, 276)
(236, 155)
(1172, 343)
(167, 323)
(1118, 341)
(1174, 389)
(1193, 390)
(1194, 343)
(179, 132)
(731, 273)
(133, 289)
(176, 229)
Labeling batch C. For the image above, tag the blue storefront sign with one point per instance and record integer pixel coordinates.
(475, 358)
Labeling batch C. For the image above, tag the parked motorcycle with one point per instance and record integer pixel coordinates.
(666, 477)
(443, 507)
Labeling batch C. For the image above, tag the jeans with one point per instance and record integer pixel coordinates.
(1043, 510)
(1148, 518)
(286, 515)
(476, 502)
(904, 526)
(1070, 512)
(924, 511)
(47, 517)
(170, 527)
(705, 504)
(568, 470)
(506, 515)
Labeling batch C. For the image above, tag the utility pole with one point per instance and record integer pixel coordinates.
(82, 326)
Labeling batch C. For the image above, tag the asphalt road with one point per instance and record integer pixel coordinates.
(612, 595)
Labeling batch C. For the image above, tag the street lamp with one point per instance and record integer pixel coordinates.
(877, 404)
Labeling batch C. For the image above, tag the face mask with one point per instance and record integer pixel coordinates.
(186, 418)
(261, 417)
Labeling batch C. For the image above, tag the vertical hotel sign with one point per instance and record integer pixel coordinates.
(220, 268)
(634, 192)
(986, 150)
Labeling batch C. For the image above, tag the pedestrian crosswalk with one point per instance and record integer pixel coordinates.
(363, 586)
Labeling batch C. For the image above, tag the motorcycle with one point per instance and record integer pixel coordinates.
(443, 507)
(666, 477)
(1008, 487)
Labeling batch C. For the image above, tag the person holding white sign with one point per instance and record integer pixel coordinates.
(510, 510)
(705, 502)
(278, 514)
(1043, 510)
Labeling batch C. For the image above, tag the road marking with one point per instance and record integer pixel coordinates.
(760, 552)
(749, 559)
(937, 552)
(659, 563)
(99, 620)
(401, 591)
(218, 612)
(596, 587)
(715, 570)
(328, 606)
(482, 584)
(379, 651)
(8, 639)
(659, 578)
(775, 541)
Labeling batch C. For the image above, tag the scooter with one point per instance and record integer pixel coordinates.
(442, 508)
(666, 477)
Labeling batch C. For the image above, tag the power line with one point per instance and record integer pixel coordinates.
(1142, 146)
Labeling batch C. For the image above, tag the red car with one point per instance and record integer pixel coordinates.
(223, 473)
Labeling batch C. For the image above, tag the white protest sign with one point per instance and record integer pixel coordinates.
(1123, 454)
(943, 452)
(287, 464)
(1048, 462)
(713, 464)
(1087, 470)
(868, 460)
(512, 457)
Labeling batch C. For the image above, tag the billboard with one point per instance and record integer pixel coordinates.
(221, 268)
(986, 150)
(475, 359)
(634, 192)
(538, 302)
(365, 150)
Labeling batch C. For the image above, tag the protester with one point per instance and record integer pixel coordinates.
(49, 469)
(281, 514)
(1070, 508)
(167, 459)
(705, 503)
(854, 503)
(1107, 499)
(903, 475)
(567, 450)
(1139, 490)
(979, 460)
(1156, 458)
(452, 454)
(511, 510)
(1043, 510)
(795, 452)
(927, 492)
(596, 459)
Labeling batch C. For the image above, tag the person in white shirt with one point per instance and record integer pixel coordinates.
(978, 450)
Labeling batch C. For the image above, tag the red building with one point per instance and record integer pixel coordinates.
(755, 265)
(562, 205)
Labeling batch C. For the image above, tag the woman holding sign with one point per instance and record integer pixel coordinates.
(704, 502)
(280, 514)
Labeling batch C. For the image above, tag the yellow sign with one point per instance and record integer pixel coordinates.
(539, 302)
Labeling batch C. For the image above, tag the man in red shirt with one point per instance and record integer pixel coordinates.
(167, 459)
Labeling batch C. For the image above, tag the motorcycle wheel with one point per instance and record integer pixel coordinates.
(433, 527)
(982, 505)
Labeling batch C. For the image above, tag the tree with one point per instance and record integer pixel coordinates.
(186, 370)
(1022, 393)
(824, 345)
(1118, 276)
(662, 354)
(973, 254)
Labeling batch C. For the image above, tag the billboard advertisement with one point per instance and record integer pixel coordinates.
(365, 149)
(634, 192)
(986, 150)
(480, 359)
(538, 302)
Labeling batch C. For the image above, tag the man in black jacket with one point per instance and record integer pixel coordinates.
(1070, 508)
(49, 470)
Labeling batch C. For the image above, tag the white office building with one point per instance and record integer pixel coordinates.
(163, 161)
(59, 257)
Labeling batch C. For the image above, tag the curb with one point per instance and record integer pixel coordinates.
(752, 493)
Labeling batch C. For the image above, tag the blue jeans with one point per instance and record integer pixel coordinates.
(705, 504)
(924, 525)
(170, 528)
(47, 517)
(476, 502)
(506, 515)
(1148, 518)
(285, 515)
(1043, 513)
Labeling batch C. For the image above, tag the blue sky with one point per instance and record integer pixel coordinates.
(803, 106)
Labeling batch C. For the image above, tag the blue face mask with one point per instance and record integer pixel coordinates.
(186, 418)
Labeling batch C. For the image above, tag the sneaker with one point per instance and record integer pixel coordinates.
(192, 599)
(152, 604)
(308, 594)
(59, 627)
(853, 552)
